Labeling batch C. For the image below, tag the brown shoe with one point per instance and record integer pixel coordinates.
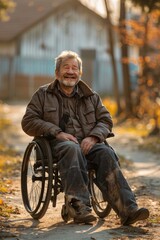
(85, 218)
(82, 213)
(140, 214)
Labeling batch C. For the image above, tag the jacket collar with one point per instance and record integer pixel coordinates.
(85, 89)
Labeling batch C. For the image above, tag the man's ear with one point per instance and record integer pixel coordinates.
(56, 73)
(80, 74)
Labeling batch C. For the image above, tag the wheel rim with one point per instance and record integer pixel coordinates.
(34, 177)
(100, 206)
(37, 177)
(97, 196)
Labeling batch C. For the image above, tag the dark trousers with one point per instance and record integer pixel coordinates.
(73, 166)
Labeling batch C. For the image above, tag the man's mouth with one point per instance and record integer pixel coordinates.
(67, 76)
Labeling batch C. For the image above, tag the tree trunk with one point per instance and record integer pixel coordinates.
(113, 62)
(144, 50)
(125, 66)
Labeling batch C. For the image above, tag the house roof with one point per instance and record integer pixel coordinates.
(27, 13)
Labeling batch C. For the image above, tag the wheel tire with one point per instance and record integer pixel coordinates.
(36, 178)
(100, 206)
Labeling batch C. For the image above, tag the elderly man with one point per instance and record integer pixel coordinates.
(76, 123)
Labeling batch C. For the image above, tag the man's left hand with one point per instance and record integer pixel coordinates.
(87, 143)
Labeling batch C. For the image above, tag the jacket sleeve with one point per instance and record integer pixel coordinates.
(32, 121)
(104, 123)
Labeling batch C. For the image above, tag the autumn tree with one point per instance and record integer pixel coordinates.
(6, 6)
(144, 32)
(110, 28)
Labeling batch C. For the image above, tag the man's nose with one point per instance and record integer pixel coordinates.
(70, 70)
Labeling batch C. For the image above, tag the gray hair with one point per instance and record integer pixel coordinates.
(66, 55)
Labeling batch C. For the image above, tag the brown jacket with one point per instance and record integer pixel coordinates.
(44, 113)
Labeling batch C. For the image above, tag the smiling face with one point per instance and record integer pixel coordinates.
(68, 74)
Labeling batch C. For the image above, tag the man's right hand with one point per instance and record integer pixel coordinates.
(66, 137)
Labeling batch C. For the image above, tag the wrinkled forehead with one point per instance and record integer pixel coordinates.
(70, 62)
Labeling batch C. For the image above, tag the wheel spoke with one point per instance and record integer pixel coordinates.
(36, 178)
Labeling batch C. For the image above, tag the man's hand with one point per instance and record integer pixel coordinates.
(87, 143)
(66, 137)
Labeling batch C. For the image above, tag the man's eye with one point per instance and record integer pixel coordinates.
(75, 68)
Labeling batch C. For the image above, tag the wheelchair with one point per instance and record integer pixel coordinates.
(41, 182)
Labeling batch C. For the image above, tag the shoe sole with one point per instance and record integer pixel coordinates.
(141, 214)
(87, 219)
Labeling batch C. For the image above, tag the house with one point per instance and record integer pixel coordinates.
(37, 32)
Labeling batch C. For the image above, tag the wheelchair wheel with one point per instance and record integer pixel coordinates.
(36, 178)
(100, 206)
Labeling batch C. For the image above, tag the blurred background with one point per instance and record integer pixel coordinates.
(118, 41)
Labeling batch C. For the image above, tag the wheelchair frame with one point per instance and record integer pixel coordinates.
(41, 182)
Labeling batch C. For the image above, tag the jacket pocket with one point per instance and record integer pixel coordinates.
(50, 114)
(50, 109)
(90, 115)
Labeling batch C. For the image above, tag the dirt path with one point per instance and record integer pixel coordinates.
(143, 176)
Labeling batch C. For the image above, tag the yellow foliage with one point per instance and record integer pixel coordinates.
(4, 123)
(5, 187)
(110, 105)
(5, 7)
(9, 164)
(6, 210)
